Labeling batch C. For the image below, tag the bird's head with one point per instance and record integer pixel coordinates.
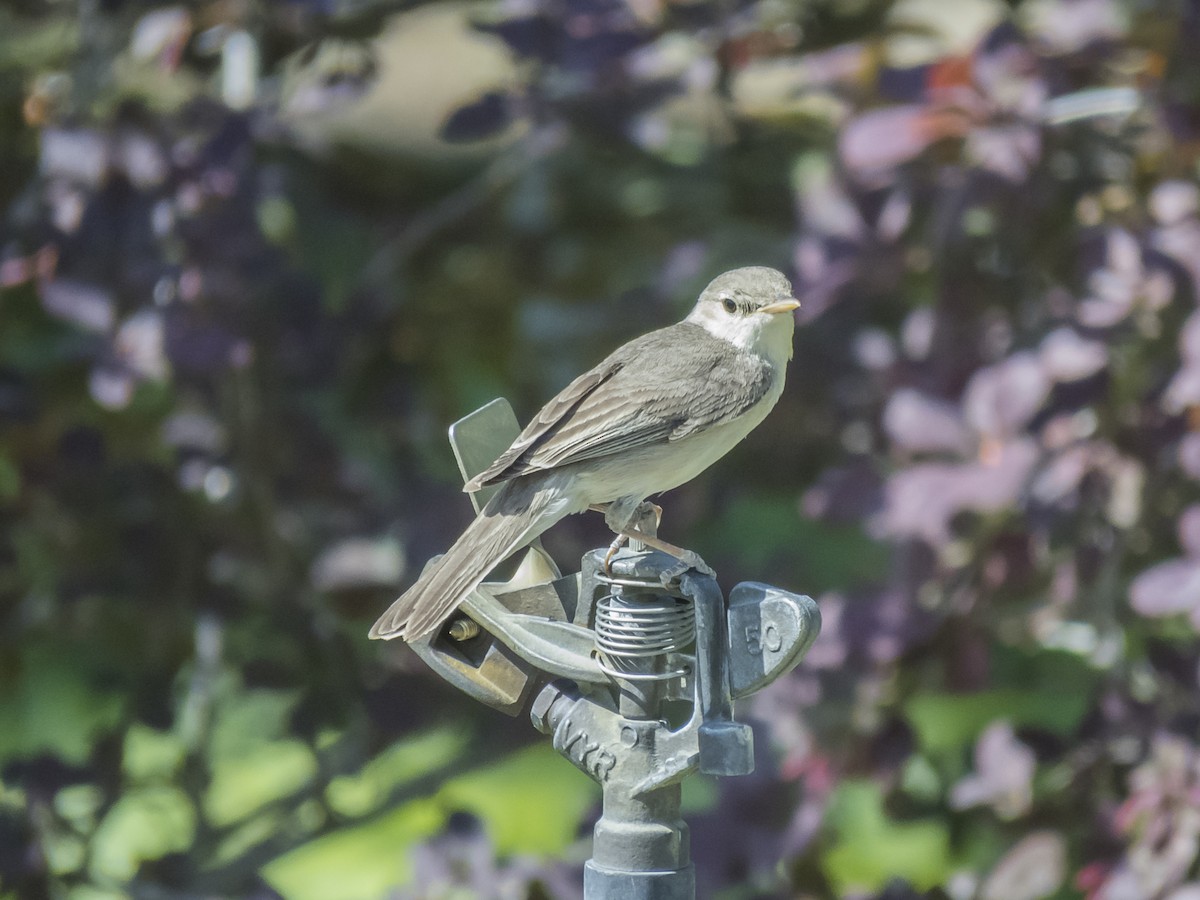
(752, 309)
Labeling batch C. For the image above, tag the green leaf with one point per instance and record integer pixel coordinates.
(78, 804)
(247, 718)
(947, 722)
(64, 852)
(50, 706)
(276, 218)
(243, 783)
(33, 44)
(144, 824)
(91, 892)
(532, 801)
(151, 754)
(700, 795)
(871, 850)
(920, 779)
(10, 479)
(359, 794)
(361, 863)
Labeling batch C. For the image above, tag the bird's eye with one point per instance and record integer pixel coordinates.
(728, 304)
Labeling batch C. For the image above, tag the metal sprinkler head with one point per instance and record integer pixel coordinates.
(606, 661)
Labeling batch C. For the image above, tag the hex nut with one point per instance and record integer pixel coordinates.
(539, 712)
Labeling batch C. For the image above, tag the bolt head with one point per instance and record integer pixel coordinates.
(539, 712)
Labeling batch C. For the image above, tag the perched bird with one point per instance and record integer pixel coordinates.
(656, 413)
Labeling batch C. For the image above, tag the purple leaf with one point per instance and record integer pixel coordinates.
(1073, 25)
(1034, 868)
(111, 387)
(1065, 356)
(1171, 202)
(830, 650)
(157, 31)
(139, 344)
(1181, 244)
(1189, 338)
(874, 625)
(1124, 253)
(874, 349)
(1188, 530)
(1166, 589)
(827, 208)
(90, 307)
(1009, 151)
(841, 64)
(77, 155)
(844, 494)
(1001, 400)
(922, 500)
(141, 159)
(1116, 286)
(1127, 481)
(916, 334)
(1103, 312)
(878, 140)
(1003, 777)
(1062, 475)
(1189, 454)
(918, 423)
(893, 219)
(1184, 389)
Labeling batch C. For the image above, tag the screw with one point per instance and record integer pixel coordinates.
(463, 629)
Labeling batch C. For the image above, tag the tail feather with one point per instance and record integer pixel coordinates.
(517, 514)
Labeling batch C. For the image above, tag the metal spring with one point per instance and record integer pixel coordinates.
(632, 628)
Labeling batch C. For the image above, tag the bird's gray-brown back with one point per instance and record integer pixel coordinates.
(660, 387)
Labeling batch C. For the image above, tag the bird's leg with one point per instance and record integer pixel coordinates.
(642, 515)
(627, 524)
(629, 528)
(650, 540)
(688, 559)
(620, 541)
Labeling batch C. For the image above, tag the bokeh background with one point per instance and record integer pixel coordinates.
(255, 257)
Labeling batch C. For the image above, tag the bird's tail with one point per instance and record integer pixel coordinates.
(511, 519)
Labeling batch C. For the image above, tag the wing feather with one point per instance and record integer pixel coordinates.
(647, 392)
(551, 415)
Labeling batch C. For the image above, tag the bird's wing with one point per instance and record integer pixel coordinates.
(550, 416)
(658, 388)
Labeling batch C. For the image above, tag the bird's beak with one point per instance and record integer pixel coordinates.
(780, 306)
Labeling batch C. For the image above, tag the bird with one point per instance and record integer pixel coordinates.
(652, 415)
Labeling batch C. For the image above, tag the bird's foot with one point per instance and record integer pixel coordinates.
(620, 541)
(622, 515)
(689, 561)
(637, 523)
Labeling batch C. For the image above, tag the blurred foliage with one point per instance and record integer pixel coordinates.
(254, 257)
